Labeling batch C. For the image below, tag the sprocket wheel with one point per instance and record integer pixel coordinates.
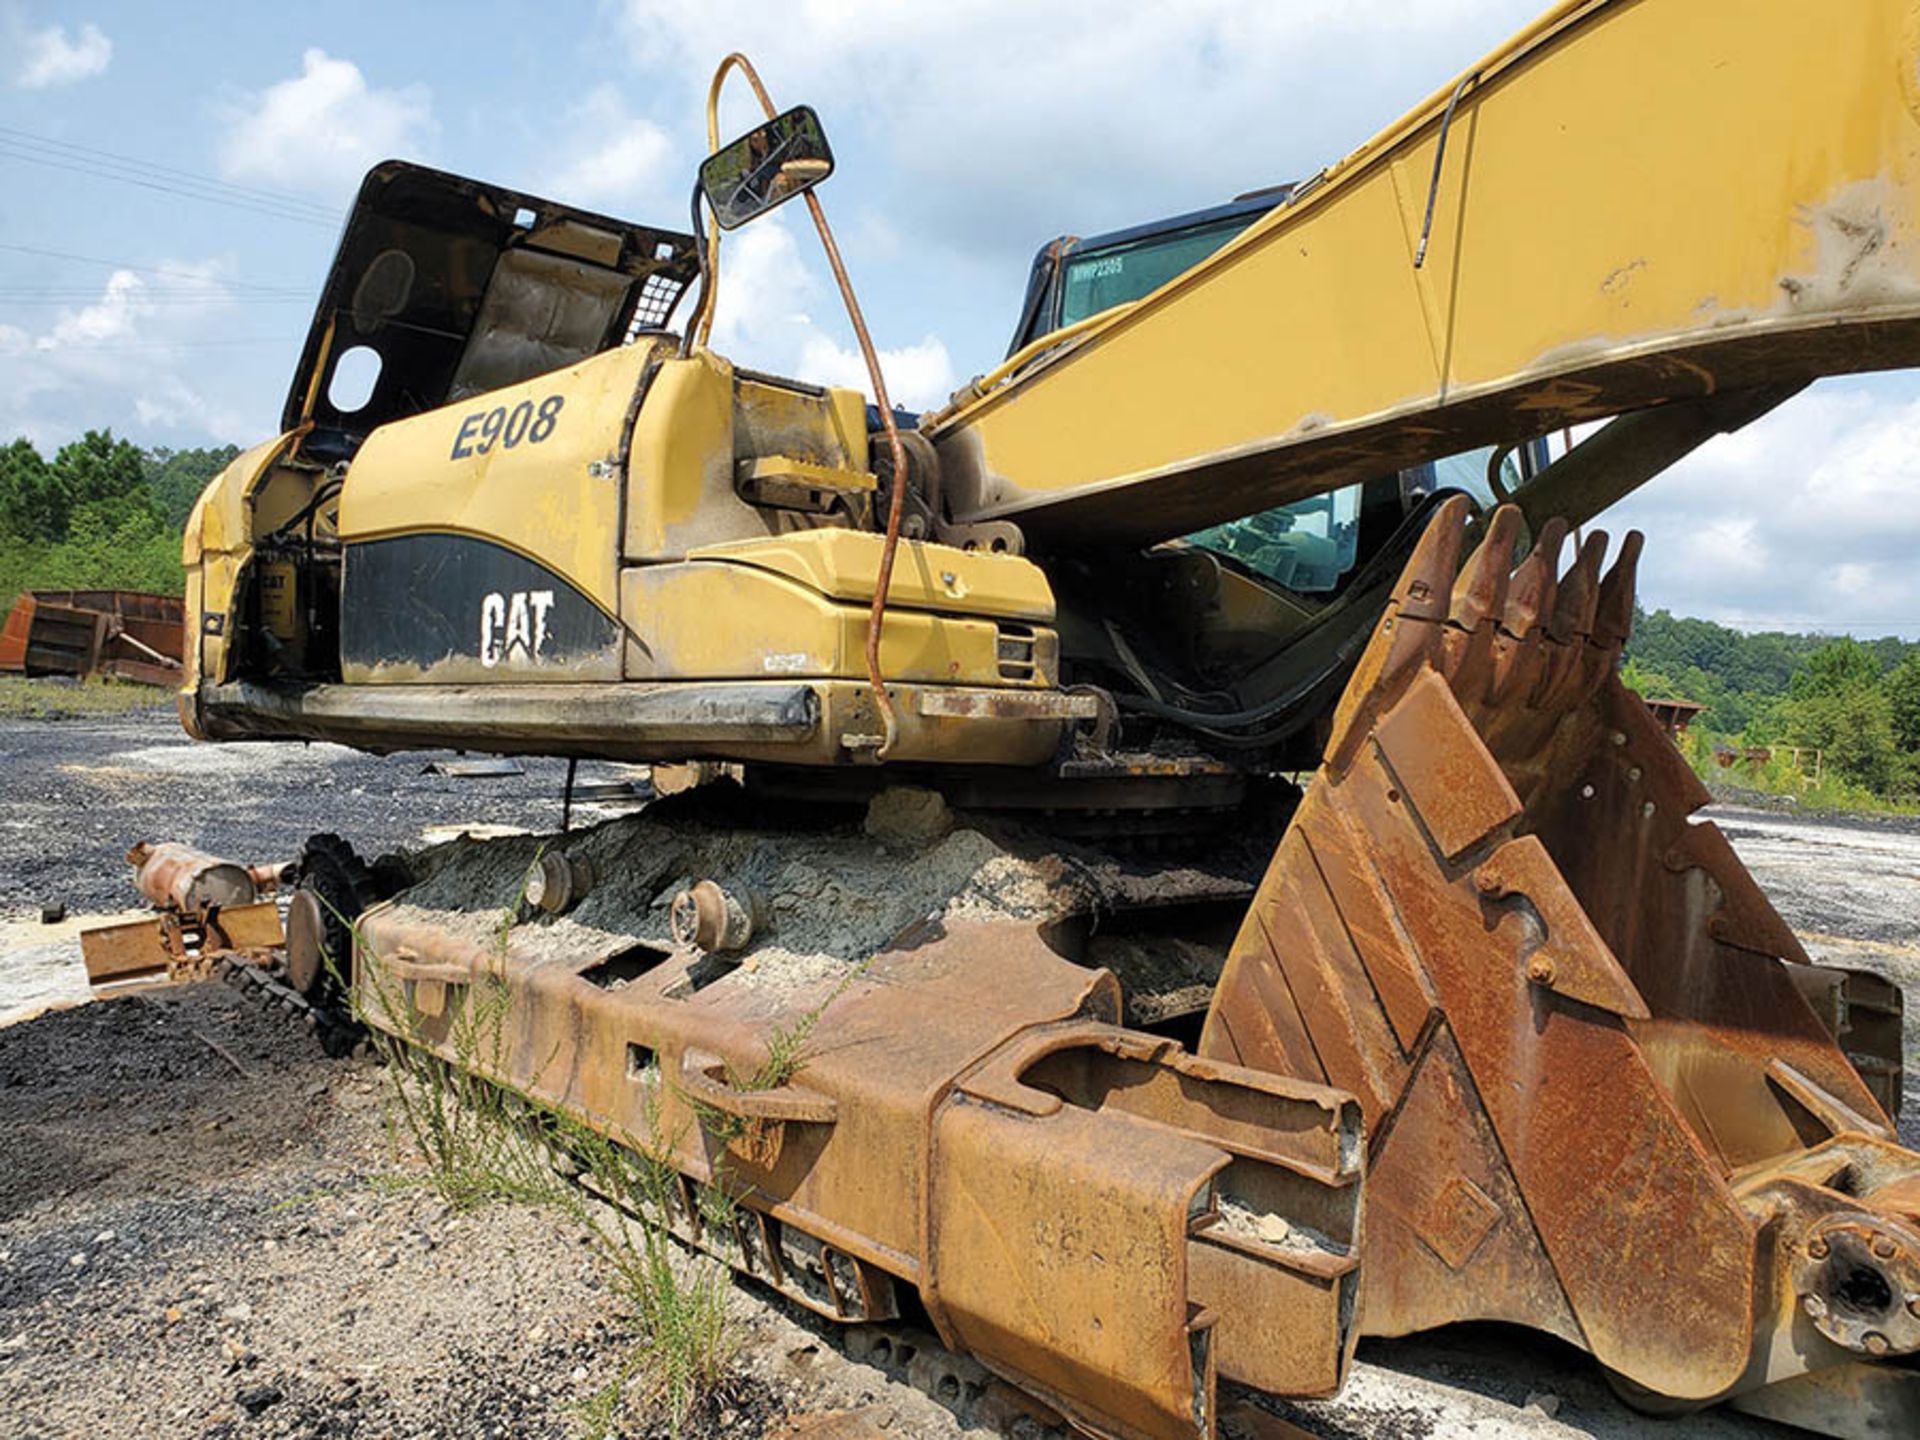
(336, 885)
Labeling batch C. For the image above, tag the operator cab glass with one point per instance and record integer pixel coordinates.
(1098, 280)
(1306, 547)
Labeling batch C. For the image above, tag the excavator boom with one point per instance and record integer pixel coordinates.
(1632, 202)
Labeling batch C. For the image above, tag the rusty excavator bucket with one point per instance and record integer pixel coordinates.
(1597, 1102)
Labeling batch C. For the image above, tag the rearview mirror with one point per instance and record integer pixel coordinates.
(766, 167)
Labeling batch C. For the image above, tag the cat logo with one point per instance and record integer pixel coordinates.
(513, 626)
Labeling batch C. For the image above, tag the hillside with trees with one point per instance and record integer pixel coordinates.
(1857, 702)
(100, 514)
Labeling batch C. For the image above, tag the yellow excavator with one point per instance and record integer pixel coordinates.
(1476, 1024)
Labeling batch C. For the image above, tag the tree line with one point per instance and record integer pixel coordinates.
(1856, 701)
(101, 514)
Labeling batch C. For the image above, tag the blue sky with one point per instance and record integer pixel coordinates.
(205, 153)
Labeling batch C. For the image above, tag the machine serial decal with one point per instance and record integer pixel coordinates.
(483, 429)
(513, 625)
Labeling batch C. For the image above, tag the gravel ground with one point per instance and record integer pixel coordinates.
(189, 1248)
(206, 1230)
(76, 793)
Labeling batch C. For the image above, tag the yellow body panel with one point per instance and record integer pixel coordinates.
(699, 422)
(553, 497)
(682, 464)
(706, 620)
(845, 564)
(217, 541)
(786, 419)
(1640, 200)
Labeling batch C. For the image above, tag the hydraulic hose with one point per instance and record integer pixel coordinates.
(702, 323)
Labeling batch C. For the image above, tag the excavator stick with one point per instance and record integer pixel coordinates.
(1597, 1103)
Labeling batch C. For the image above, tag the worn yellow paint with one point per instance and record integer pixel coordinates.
(805, 474)
(556, 500)
(215, 544)
(700, 420)
(828, 429)
(1640, 200)
(844, 564)
(704, 620)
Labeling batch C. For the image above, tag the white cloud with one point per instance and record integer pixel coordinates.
(322, 129)
(919, 377)
(48, 58)
(616, 159)
(1806, 519)
(1003, 123)
(768, 293)
(130, 352)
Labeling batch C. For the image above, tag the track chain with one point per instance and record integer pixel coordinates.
(338, 1032)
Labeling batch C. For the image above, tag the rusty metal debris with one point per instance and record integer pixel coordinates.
(558, 882)
(208, 908)
(123, 634)
(711, 918)
(1597, 1102)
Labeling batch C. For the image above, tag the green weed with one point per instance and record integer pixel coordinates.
(482, 1143)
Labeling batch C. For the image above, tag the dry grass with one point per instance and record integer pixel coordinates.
(25, 699)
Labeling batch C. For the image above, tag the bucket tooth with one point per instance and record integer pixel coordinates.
(1579, 594)
(1409, 634)
(1480, 593)
(1425, 591)
(1604, 1107)
(1535, 582)
(1613, 616)
(1479, 600)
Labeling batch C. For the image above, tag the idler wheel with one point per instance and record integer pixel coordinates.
(712, 919)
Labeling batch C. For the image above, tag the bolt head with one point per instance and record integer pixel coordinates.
(1540, 970)
(1875, 1343)
(1817, 1247)
(1883, 1247)
(1814, 1306)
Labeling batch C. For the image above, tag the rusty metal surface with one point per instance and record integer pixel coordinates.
(1093, 1214)
(1597, 1101)
(209, 908)
(125, 634)
(174, 948)
(178, 877)
(1866, 1014)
